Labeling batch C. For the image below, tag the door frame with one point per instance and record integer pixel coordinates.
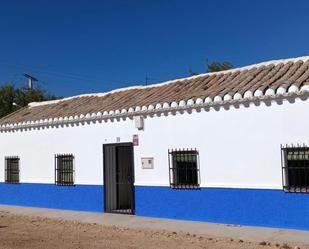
(132, 186)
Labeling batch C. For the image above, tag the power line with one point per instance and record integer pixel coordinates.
(56, 73)
(71, 76)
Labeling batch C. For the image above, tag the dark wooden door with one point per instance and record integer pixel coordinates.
(119, 178)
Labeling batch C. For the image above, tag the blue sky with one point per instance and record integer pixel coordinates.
(79, 46)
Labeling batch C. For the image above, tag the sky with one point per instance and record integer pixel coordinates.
(86, 46)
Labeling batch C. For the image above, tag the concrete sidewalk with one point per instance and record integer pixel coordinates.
(208, 229)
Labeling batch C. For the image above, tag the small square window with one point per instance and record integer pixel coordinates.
(295, 167)
(64, 169)
(184, 169)
(12, 169)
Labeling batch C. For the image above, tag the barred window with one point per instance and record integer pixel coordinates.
(12, 169)
(184, 169)
(295, 167)
(64, 169)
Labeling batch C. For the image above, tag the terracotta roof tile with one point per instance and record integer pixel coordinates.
(262, 76)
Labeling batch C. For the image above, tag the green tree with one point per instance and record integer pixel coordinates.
(7, 96)
(218, 66)
(193, 73)
(214, 66)
(12, 98)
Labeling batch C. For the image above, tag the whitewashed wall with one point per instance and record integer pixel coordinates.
(238, 147)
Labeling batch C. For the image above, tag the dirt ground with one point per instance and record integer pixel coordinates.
(35, 232)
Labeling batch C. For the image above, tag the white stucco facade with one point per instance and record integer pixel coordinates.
(239, 146)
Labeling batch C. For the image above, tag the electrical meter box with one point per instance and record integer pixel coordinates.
(147, 163)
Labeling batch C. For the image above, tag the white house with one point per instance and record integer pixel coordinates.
(226, 147)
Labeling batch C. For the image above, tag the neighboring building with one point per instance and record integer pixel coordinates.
(226, 147)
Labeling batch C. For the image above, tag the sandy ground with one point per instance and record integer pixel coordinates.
(18, 231)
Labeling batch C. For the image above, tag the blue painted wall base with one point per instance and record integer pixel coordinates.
(79, 197)
(271, 208)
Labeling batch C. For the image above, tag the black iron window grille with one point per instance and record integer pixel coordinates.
(64, 169)
(184, 169)
(12, 169)
(295, 168)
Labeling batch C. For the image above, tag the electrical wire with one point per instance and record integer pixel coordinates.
(57, 73)
(70, 76)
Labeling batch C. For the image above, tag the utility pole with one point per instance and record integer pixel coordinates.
(31, 79)
(146, 80)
